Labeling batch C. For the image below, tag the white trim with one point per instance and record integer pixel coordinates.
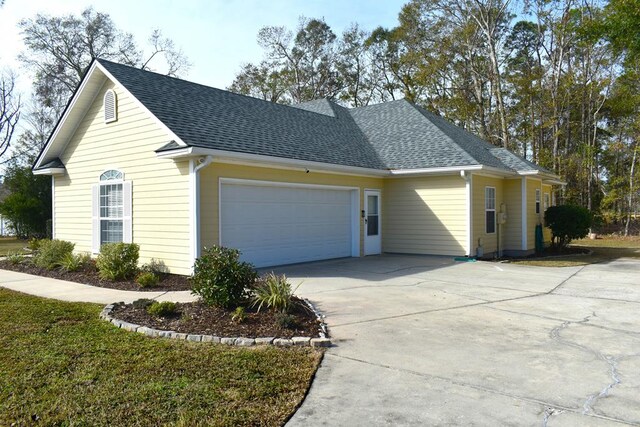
(538, 201)
(451, 170)
(50, 171)
(114, 168)
(53, 207)
(524, 224)
(355, 203)
(141, 105)
(468, 179)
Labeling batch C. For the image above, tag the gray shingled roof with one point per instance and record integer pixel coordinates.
(392, 135)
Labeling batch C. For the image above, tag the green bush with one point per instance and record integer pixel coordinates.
(147, 279)
(162, 309)
(72, 262)
(567, 222)
(239, 315)
(142, 303)
(34, 244)
(274, 292)
(156, 267)
(118, 261)
(221, 279)
(286, 321)
(15, 258)
(51, 253)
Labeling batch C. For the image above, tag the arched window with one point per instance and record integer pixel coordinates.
(111, 209)
(110, 106)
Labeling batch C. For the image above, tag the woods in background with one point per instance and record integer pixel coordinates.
(555, 81)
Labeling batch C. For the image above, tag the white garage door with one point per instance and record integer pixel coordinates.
(275, 225)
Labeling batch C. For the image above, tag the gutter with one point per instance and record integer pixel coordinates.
(195, 165)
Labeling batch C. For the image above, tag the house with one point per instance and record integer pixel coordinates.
(176, 166)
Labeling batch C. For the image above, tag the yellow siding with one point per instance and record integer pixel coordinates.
(425, 215)
(490, 241)
(513, 226)
(127, 145)
(209, 184)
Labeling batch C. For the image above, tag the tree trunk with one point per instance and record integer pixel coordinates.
(630, 198)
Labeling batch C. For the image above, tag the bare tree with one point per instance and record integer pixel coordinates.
(9, 110)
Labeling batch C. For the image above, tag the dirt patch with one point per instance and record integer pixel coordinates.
(198, 318)
(89, 276)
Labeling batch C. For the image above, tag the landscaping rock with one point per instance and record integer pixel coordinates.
(210, 338)
(196, 338)
(228, 341)
(300, 341)
(320, 342)
(129, 326)
(283, 342)
(245, 342)
(166, 334)
(264, 341)
(116, 322)
(179, 336)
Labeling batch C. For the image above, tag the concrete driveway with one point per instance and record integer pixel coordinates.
(426, 341)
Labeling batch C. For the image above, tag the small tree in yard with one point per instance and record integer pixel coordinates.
(567, 222)
(28, 206)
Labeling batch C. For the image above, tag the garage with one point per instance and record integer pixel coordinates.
(282, 223)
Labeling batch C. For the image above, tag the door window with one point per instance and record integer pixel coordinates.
(372, 215)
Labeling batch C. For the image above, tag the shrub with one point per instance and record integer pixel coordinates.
(34, 244)
(15, 258)
(118, 261)
(567, 222)
(239, 315)
(51, 253)
(221, 279)
(72, 262)
(142, 303)
(147, 279)
(155, 266)
(162, 309)
(286, 321)
(275, 292)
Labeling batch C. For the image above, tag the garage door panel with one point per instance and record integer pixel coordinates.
(281, 225)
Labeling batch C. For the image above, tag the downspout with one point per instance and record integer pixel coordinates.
(469, 188)
(195, 165)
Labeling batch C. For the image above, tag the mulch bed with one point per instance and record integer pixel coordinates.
(198, 318)
(89, 276)
(548, 253)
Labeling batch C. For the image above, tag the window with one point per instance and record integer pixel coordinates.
(110, 106)
(111, 207)
(490, 209)
(546, 201)
(537, 200)
(111, 210)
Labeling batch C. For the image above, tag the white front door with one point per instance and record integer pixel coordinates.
(372, 230)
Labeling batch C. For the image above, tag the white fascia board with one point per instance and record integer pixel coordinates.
(172, 135)
(448, 170)
(222, 156)
(64, 118)
(50, 171)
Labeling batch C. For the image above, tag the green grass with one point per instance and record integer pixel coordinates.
(61, 365)
(603, 250)
(11, 244)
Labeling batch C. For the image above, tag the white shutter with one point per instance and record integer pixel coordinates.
(95, 218)
(127, 225)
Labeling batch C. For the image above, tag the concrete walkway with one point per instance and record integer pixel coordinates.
(71, 291)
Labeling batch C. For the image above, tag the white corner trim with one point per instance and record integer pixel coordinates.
(524, 213)
(53, 207)
(468, 179)
(195, 165)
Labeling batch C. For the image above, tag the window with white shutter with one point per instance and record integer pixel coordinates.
(110, 106)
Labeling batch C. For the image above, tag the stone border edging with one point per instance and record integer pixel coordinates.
(321, 341)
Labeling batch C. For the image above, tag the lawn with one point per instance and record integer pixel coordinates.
(61, 365)
(11, 244)
(603, 250)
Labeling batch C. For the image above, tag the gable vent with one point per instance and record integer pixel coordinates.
(110, 107)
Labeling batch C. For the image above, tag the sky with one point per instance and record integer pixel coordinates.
(217, 36)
